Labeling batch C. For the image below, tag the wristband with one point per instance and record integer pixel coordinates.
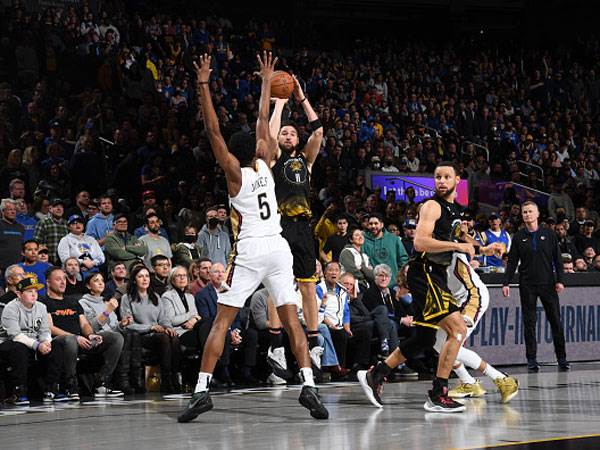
(303, 100)
(315, 124)
(106, 314)
(203, 82)
(36, 345)
(477, 248)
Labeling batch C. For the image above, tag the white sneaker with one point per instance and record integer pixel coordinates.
(276, 359)
(106, 392)
(315, 356)
(275, 380)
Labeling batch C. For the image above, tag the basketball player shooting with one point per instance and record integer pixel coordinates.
(260, 254)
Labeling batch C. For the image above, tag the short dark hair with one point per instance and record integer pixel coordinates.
(157, 258)
(242, 145)
(204, 259)
(150, 216)
(291, 123)
(29, 241)
(376, 216)
(449, 164)
(51, 270)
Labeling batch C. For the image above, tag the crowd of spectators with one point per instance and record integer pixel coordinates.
(107, 174)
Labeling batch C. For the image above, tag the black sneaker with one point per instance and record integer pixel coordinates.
(564, 365)
(533, 366)
(372, 386)
(309, 398)
(406, 372)
(442, 403)
(200, 403)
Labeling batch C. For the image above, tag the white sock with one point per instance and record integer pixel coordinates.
(469, 358)
(306, 373)
(464, 376)
(203, 382)
(492, 373)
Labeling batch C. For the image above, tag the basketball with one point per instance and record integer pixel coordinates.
(282, 84)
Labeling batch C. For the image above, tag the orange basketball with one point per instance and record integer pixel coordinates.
(282, 84)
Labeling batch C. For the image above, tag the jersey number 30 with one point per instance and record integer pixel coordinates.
(263, 206)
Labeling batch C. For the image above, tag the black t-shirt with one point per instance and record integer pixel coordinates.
(65, 313)
(75, 289)
(335, 244)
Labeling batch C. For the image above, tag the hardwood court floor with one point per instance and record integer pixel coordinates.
(550, 405)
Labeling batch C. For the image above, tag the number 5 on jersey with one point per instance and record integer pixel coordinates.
(263, 206)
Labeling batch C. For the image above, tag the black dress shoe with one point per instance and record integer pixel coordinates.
(564, 365)
(533, 366)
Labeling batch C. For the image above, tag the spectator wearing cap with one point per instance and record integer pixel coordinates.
(409, 228)
(101, 224)
(383, 247)
(336, 242)
(586, 238)
(25, 338)
(50, 231)
(31, 263)
(11, 235)
(154, 242)
(495, 233)
(81, 246)
(43, 254)
(71, 329)
(122, 246)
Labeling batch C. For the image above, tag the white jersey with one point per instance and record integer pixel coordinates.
(254, 209)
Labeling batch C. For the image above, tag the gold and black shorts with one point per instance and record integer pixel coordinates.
(428, 284)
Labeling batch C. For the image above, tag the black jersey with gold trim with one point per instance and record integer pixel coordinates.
(447, 228)
(292, 185)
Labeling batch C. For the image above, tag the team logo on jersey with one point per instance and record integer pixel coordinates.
(455, 232)
(295, 171)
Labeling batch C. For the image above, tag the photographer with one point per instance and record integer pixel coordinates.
(81, 246)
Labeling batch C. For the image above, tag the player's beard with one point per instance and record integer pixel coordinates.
(447, 193)
(289, 150)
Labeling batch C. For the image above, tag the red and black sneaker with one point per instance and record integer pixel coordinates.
(372, 384)
(442, 403)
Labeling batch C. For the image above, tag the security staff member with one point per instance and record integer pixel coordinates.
(540, 275)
